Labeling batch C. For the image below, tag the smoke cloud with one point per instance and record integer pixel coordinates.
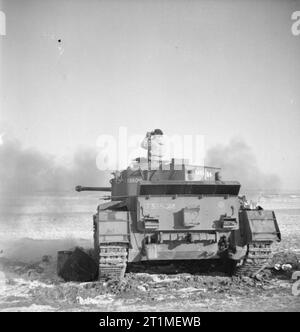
(27, 170)
(238, 162)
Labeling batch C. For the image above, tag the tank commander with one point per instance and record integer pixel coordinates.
(154, 143)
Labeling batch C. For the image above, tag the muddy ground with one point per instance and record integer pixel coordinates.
(171, 287)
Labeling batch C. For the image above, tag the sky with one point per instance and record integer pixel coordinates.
(222, 69)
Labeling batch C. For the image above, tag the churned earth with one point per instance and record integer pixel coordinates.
(36, 287)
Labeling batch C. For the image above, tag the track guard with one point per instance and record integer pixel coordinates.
(259, 225)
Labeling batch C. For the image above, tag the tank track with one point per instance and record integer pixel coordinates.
(258, 255)
(112, 261)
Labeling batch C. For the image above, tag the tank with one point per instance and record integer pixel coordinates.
(177, 211)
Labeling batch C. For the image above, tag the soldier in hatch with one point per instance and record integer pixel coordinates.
(154, 143)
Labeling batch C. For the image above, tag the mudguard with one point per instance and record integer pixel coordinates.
(259, 225)
(111, 226)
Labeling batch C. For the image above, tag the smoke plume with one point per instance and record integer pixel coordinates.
(238, 162)
(25, 170)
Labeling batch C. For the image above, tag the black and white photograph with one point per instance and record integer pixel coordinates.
(149, 158)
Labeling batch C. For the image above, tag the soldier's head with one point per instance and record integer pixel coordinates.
(157, 132)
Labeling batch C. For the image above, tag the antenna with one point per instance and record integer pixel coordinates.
(149, 150)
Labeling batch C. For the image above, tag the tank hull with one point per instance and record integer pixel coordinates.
(168, 228)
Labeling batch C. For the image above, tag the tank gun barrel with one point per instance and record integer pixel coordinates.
(82, 188)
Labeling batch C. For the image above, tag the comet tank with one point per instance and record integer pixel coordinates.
(179, 212)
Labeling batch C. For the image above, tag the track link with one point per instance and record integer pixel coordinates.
(256, 260)
(112, 261)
